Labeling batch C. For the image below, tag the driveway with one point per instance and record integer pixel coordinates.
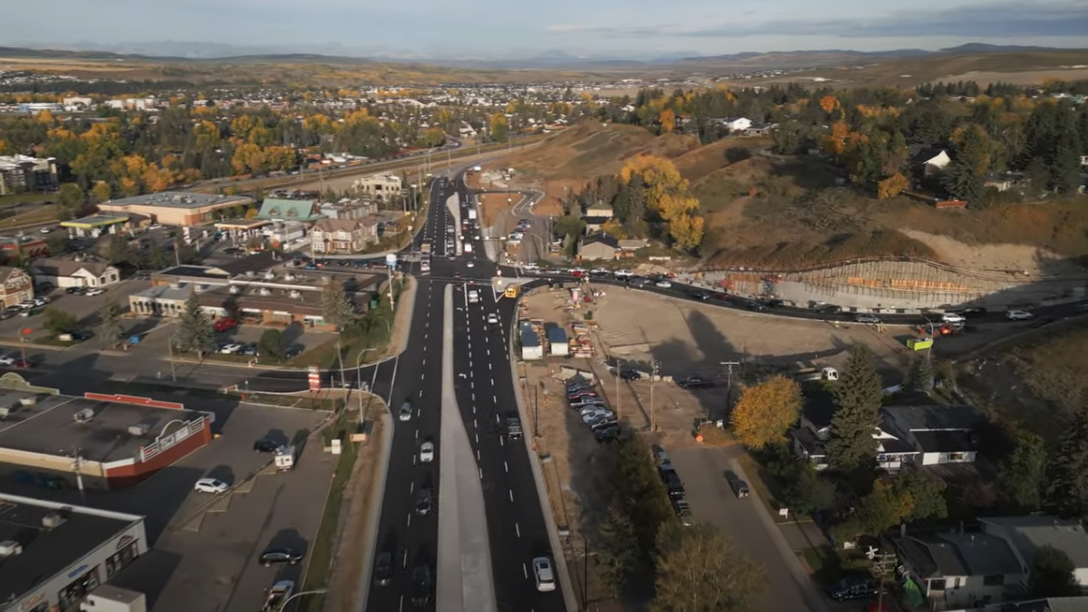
(747, 523)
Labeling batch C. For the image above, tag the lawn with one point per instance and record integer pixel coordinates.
(13, 199)
(39, 214)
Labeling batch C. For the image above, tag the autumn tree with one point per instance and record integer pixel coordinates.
(665, 194)
(891, 186)
(101, 192)
(766, 411)
(857, 395)
(699, 570)
(667, 120)
(499, 128)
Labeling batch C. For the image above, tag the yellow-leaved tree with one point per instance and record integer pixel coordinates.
(766, 411)
(667, 119)
(891, 186)
(666, 194)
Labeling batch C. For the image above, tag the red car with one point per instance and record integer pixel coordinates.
(22, 364)
(223, 325)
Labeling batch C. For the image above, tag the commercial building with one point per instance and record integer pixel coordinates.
(28, 246)
(283, 209)
(96, 441)
(96, 225)
(346, 208)
(15, 286)
(179, 207)
(379, 186)
(343, 236)
(71, 273)
(21, 174)
(52, 555)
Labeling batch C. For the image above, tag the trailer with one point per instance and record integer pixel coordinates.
(557, 340)
(530, 342)
(920, 344)
(471, 214)
(285, 458)
(807, 373)
(109, 598)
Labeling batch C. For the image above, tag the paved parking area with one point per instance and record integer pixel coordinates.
(82, 306)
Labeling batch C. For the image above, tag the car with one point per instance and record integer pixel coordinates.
(683, 512)
(94, 291)
(74, 290)
(230, 349)
(663, 284)
(599, 272)
(867, 318)
(855, 587)
(8, 313)
(278, 595)
(424, 501)
(471, 264)
(543, 574)
(740, 488)
(405, 411)
(603, 424)
(492, 318)
(426, 452)
(607, 434)
(581, 395)
(383, 568)
(585, 401)
(210, 485)
(7, 360)
(700, 295)
(265, 445)
(279, 556)
(694, 382)
(81, 336)
(22, 364)
(225, 324)
(29, 312)
(421, 585)
(45, 230)
(588, 414)
(974, 311)
(513, 428)
(630, 375)
(594, 420)
(623, 274)
(673, 483)
(249, 349)
(952, 317)
(1019, 315)
(755, 305)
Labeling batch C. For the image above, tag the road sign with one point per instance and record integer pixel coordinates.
(391, 260)
(315, 378)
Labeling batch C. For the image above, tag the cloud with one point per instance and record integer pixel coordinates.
(974, 21)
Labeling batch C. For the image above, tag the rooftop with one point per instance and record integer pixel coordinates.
(98, 219)
(50, 428)
(945, 441)
(1029, 533)
(49, 551)
(181, 199)
(934, 418)
(208, 272)
(959, 554)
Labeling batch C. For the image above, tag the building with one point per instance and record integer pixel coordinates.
(282, 209)
(179, 208)
(960, 570)
(63, 552)
(94, 226)
(17, 286)
(595, 216)
(23, 174)
(70, 273)
(382, 187)
(343, 236)
(928, 161)
(348, 209)
(1027, 534)
(134, 104)
(598, 247)
(735, 124)
(28, 246)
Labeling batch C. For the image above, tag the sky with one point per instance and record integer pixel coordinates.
(509, 28)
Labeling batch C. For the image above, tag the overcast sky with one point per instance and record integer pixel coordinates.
(505, 27)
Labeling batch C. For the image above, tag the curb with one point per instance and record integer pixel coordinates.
(569, 597)
(378, 502)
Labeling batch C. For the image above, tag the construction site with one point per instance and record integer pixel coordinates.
(898, 284)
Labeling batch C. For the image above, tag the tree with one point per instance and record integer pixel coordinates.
(858, 396)
(882, 509)
(805, 492)
(194, 334)
(101, 192)
(766, 411)
(57, 243)
(270, 347)
(70, 197)
(699, 570)
(335, 305)
(118, 250)
(920, 375)
(499, 127)
(58, 321)
(1021, 475)
(891, 186)
(641, 494)
(1052, 574)
(617, 554)
(924, 492)
(109, 323)
(1067, 473)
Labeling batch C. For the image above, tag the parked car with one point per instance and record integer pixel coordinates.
(607, 434)
(700, 295)
(210, 485)
(6, 361)
(225, 324)
(683, 511)
(279, 556)
(694, 382)
(867, 318)
(740, 488)
(94, 291)
(265, 445)
(952, 317)
(230, 349)
(74, 290)
(630, 375)
(851, 588)
(663, 284)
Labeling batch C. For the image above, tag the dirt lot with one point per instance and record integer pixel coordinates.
(495, 205)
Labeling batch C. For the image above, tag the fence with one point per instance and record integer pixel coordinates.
(164, 442)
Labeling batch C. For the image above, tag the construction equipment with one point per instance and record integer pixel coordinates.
(920, 344)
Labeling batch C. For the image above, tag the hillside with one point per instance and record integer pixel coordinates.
(772, 211)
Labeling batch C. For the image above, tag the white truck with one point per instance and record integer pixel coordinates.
(473, 296)
(472, 214)
(468, 247)
(804, 372)
(108, 598)
(285, 458)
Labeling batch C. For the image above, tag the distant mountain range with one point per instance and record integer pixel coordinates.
(339, 54)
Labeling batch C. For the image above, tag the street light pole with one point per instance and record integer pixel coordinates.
(653, 408)
(173, 367)
(359, 379)
(618, 365)
(283, 606)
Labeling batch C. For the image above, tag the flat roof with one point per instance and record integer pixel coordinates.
(209, 272)
(50, 428)
(97, 219)
(49, 551)
(180, 199)
(242, 223)
(165, 292)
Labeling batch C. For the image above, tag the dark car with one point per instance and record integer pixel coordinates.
(383, 569)
(973, 311)
(265, 445)
(74, 290)
(851, 588)
(673, 484)
(740, 488)
(694, 382)
(700, 295)
(81, 336)
(607, 434)
(513, 428)
(421, 586)
(425, 501)
(756, 306)
(631, 375)
(277, 556)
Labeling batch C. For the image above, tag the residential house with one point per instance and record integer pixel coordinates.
(1084, 161)
(629, 246)
(22, 174)
(1000, 182)
(595, 216)
(960, 570)
(1052, 604)
(809, 439)
(598, 247)
(71, 273)
(26, 247)
(382, 187)
(760, 129)
(343, 236)
(928, 161)
(735, 124)
(1027, 534)
(347, 208)
(16, 286)
(282, 209)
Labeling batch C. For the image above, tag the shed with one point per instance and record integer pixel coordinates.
(530, 343)
(557, 340)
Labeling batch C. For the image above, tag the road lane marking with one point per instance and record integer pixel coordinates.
(511, 491)
(473, 409)
(477, 438)
(506, 467)
(501, 443)
(495, 400)
(489, 366)
(474, 420)
(410, 520)
(488, 352)
(412, 487)
(401, 608)
(492, 382)
(421, 392)
(417, 433)
(517, 528)
(424, 359)
(481, 473)
(496, 417)
(524, 570)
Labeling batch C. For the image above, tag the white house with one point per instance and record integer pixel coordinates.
(736, 124)
(1027, 534)
(68, 273)
(960, 570)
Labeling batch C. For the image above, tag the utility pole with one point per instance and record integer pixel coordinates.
(883, 563)
(653, 409)
(619, 364)
(173, 367)
(77, 466)
(728, 383)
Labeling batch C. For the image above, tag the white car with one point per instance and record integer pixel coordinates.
(598, 271)
(492, 318)
(45, 230)
(406, 411)
(426, 452)
(597, 415)
(951, 317)
(472, 264)
(230, 349)
(210, 485)
(542, 572)
(41, 301)
(1019, 315)
(623, 274)
(663, 284)
(7, 361)
(95, 291)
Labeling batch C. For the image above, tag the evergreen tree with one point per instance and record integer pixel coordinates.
(618, 552)
(1021, 475)
(1052, 574)
(335, 305)
(109, 324)
(1067, 473)
(920, 375)
(858, 397)
(194, 334)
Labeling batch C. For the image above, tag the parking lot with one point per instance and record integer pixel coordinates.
(83, 307)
